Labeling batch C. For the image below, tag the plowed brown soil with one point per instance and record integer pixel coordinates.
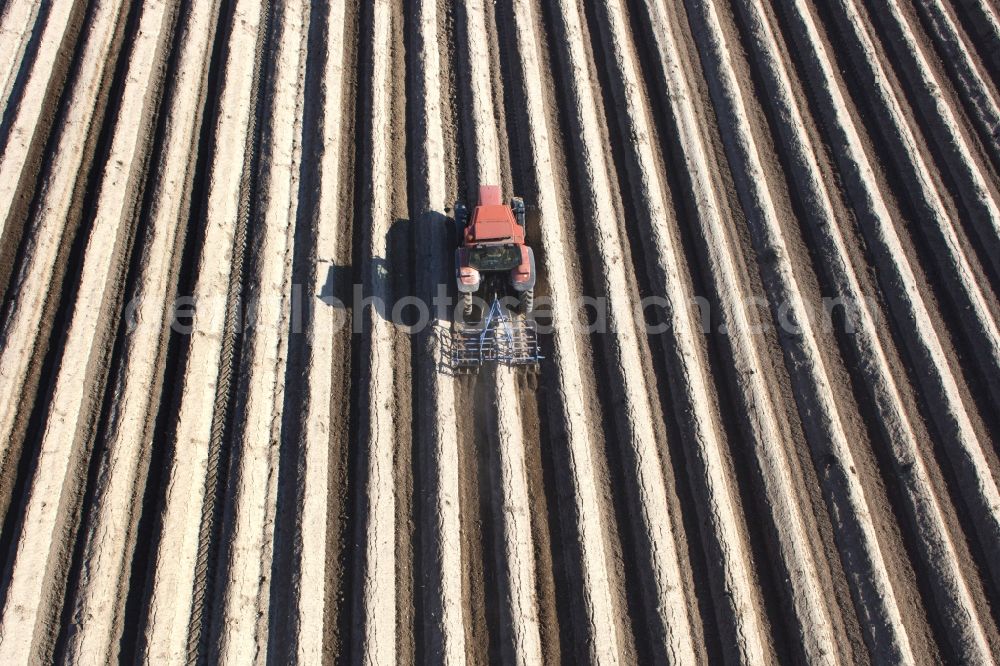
(778, 445)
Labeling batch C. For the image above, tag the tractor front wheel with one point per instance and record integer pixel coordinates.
(467, 305)
(517, 207)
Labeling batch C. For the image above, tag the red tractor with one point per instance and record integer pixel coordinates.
(493, 262)
(493, 258)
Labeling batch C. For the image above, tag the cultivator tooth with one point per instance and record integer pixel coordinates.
(499, 338)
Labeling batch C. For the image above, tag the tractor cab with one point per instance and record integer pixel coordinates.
(489, 258)
(493, 244)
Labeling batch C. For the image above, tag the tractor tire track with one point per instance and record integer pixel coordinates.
(178, 582)
(250, 521)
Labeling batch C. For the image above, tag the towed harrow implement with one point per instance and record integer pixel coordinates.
(499, 338)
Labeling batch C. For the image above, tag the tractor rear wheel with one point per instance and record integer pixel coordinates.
(461, 220)
(527, 301)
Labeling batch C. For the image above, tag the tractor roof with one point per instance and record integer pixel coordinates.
(492, 223)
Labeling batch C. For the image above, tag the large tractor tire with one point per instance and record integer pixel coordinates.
(527, 301)
(467, 305)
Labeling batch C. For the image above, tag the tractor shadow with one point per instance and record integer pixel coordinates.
(382, 282)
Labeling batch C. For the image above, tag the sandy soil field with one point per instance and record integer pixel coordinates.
(224, 438)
